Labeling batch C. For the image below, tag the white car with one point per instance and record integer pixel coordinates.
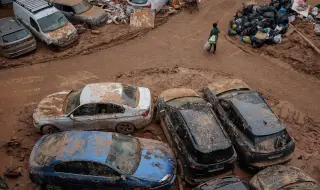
(101, 106)
(151, 4)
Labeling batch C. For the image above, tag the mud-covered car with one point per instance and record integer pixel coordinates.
(100, 106)
(258, 135)
(225, 183)
(283, 178)
(195, 134)
(81, 12)
(101, 160)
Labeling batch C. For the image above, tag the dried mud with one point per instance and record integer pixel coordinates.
(303, 129)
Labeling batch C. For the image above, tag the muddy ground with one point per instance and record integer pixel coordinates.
(170, 56)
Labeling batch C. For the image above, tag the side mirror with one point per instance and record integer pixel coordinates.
(162, 113)
(71, 116)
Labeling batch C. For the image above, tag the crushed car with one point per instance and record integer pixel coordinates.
(259, 136)
(15, 39)
(195, 134)
(99, 106)
(101, 160)
(47, 23)
(82, 12)
(283, 178)
(225, 183)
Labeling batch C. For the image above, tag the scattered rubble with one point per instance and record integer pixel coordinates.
(12, 172)
(14, 148)
(142, 18)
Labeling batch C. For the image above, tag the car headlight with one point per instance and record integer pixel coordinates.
(166, 178)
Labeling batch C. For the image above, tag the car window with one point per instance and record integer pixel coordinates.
(181, 132)
(18, 35)
(67, 9)
(175, 120)
(110, 109)
(97, 169)
(124, 153)
(34, 24)
(139, 1)
(73, 167)
(86, 110)
(82, 7)
(73, 101)
(52, 22)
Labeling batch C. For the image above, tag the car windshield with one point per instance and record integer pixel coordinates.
(124, 153)
(14, 36)
(52, 22)
(131, 95)
(139, 1)
(260, 139)
(179, 102)
(72, 101)
(82, 7)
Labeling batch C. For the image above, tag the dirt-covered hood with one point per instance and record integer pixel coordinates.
(63, 33)
(51, 106)
(94, 14)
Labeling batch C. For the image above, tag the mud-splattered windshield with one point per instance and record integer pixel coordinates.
(124, 153)
(179, 102)
(82, 7)
(12, 37)
(72, 101)
(52, 22)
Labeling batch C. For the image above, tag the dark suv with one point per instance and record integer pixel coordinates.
(225, 183)
(195, 135)
(258, 135)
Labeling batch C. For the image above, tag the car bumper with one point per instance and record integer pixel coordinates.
(165, 186)
(20, 52)
(263, 164)
(143, 121)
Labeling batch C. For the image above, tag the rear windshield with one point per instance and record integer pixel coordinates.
(12, 37)
(131, 95)
(73, 101)
(179, 102)
(214, 156)
(139, 1)
(82, 7)
(52, 22)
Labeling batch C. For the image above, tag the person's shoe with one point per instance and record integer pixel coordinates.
(214, 52)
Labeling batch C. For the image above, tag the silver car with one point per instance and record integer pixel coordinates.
(15, 39)
(82, 12)
(100, 106)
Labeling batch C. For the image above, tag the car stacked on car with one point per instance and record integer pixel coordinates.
(205, 137)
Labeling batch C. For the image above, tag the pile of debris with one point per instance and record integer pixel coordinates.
(116, 10)
(266, 24)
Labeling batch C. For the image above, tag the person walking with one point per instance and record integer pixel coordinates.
(213, 38)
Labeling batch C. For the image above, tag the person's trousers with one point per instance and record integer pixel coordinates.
(214, 47)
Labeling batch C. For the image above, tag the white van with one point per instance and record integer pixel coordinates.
(47, 23)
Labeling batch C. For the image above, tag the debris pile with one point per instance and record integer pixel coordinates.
(116, 10)
(266, 24)
(14, 148)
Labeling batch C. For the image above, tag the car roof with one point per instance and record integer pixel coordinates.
(74, 145)
(67, 2)
(177, 93)
(275, 177)
(9, 25)
(224, 85)
(204, 128)
(103, 93)
(45, 12)
(257, 113)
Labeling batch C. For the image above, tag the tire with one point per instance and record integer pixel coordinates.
(125, 128)
(49, 129)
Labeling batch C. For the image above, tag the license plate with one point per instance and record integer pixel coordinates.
(217, 169)
(275, 156)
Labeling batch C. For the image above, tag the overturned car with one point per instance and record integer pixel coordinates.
(195, 134)
(258, 135)
(283, 178)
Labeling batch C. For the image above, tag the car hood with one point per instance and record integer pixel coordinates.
(157, 160)
(51, 106)
(62, 33)
(94, 13)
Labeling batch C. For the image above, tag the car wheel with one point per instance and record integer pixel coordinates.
(125, 128)
(49, 129)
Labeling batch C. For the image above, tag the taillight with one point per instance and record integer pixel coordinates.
(148, 6)
(145, 114)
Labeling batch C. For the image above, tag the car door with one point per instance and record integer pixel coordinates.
(34, 27)
(109, 115)
(85, 117)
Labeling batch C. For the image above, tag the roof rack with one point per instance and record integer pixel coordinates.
(33, 6)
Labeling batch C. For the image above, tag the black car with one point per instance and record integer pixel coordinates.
(195, 134)
(283, 178)
(258, 135)
(225, 183)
